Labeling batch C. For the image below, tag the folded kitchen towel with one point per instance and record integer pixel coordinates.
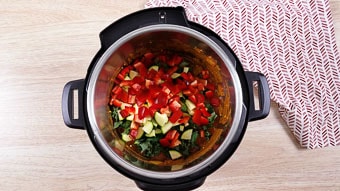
(293, 44)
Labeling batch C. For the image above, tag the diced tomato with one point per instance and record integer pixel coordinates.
(205, 74)
(202, 133)
(164, 142)
(142, 96)
(200, 98)
(187, 92)
(124, 113)
(138, 79)
(193, 90)
(116, 90)
(127, 83)
(120, 76)
(136, 87)
(175, 116)
(134, 125)
(205, 112)
(140, 67)
(196, 118)
(153, 109)
(143, 112)
(115, 102)
(175, 60)
(123, 96)
(161, 99)
(215, 101)
(162, 58)
(204, 120)
(210, 86)
(174, 105)
(209, 94)
(152, 74)
(174, 143)
(184, 120)
(192, 98)
(193, 83)
(133, 133)
(165, 110)
(172, 70)
(147, 59)
(171, 134)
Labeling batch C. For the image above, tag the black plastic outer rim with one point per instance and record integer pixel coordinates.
(213, 166)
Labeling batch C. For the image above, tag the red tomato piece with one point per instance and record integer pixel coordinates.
(175, 116)
(205, 112)
(162, 99)
(141, 97)
(133, 133)
(126, 83)
(204, 120)
(115, 102)
(209, 94)
(116, 90)
(184, 120)
(174, 143)
(175, 60)
(143, 112)
(205, 74)
(174, 105)
(215, 101)
(192, 98)
(171, 134)
(196, 118)
(152, 74)
(120, 76)
(210, 86)
(164, 142)
(123, 96)
(140, 67)
(138, 80)
(124, 113)
(200, 98)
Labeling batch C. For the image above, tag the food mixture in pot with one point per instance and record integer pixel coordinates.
(162, 107)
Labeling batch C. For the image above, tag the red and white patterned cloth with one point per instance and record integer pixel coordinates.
(293, 44)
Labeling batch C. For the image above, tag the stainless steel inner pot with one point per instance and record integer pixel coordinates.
(152, 39)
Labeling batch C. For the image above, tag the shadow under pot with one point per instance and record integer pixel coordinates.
(165, 101)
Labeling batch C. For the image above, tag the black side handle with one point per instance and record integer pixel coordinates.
(68, 104)
(263, 94)
(151, 16)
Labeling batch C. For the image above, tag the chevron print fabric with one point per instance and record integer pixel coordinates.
(293, 44)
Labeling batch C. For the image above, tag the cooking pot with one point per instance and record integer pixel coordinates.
(85, 101)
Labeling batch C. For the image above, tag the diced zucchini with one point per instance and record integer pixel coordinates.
(127, 78)
(126, 137)
(187, 135)
(148, 126)
(185, 69)
(154, 68)
(165, 128)
(181, 127)
(140, 133)
(151, 134)
(161, 119)
(130, 117)
(133, 74)
(175, 154)
(175, 75)
(191, 106)
(158, 131)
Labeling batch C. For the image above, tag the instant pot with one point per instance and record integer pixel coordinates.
(152, 30)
